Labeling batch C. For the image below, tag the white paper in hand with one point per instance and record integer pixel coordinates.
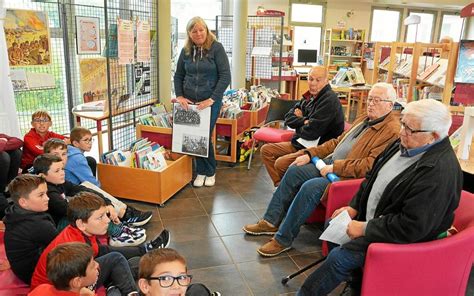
(308, 143)
(336, 231)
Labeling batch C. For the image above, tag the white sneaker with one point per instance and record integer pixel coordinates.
(199, 181)
(210, 181)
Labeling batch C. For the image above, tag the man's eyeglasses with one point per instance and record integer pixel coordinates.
(375, 100)
(41, 120)
(167, 281)
(410, 131)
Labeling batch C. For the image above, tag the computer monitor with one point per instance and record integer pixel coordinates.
(307, 56)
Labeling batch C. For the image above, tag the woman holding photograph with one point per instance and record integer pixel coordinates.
(202, 75)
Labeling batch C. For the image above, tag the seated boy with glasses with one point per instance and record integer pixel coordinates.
(34, 139)
(164, 272)
(80, 168)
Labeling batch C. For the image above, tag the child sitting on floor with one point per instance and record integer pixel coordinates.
(51, 168)
(29, 228)
(78, 168)
(34, 139)
(87, 215)
(163, 272)
(127, 214)
(71, 268)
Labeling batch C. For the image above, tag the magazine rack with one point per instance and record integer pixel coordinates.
(415, 61)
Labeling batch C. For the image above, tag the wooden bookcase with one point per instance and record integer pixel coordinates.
(342, 47)
(410, 61)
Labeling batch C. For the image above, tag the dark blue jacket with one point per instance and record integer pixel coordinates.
(417, 205)
(203, 74)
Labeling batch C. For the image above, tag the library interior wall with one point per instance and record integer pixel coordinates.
(336, 11)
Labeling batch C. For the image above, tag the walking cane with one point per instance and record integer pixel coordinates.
(295, 274)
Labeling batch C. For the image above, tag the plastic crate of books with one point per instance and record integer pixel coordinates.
(146, 185)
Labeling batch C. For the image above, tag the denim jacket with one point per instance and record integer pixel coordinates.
(202, 75)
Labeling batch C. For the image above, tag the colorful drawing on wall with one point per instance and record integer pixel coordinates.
(88, 35)
(111, 47)
(93, 79)
(465, 68)
(27, 36)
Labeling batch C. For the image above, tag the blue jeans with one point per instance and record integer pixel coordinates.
(298, 194)
(207, 165)
(335, 269)
(115, 271)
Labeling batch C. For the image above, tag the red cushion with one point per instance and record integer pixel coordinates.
(273, 135)
(10, 284)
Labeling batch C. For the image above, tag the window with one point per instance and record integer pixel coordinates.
(307, 20)
(385, 25)
(184, 10)
(306, 13)
(422, 32)
(451, 26)
(303, 42)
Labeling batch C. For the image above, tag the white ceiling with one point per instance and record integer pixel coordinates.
(438, 4)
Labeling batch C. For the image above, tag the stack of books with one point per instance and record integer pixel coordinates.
(142, 154)
(158, 117)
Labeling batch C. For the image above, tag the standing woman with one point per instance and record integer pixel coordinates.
(202, 75)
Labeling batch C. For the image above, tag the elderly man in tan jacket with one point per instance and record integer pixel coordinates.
(351, 155)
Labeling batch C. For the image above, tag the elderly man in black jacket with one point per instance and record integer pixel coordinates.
(409, 196)
(317, 116)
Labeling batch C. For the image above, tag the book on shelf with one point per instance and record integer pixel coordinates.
(428, 71)
(355, 76)
(340, 76)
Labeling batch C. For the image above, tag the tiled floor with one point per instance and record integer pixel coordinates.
(206, 227)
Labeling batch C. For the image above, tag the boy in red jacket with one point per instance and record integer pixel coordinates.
(87, 215)
(72, 269)
(34, 139)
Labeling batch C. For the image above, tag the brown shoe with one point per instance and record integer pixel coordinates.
(272, 248)
(262, 227)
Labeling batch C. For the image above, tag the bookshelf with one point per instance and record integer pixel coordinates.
(422, 66)
(342, 48)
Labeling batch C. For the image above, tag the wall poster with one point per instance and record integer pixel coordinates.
(27, 36)
(88, 35)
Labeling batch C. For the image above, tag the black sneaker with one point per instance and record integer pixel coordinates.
(160, 242)
(134, 217)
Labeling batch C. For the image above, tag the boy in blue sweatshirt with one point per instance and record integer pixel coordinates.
(77, 167)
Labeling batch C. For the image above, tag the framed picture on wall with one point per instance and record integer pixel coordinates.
(87, 35)
(27, 37)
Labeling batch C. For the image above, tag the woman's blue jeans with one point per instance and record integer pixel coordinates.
(207, 165)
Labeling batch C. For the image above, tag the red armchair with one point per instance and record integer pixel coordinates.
(439, 267)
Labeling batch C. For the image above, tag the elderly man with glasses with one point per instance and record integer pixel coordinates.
(409, 196)
(350, 155)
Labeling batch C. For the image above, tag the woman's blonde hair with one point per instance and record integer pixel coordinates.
(188, 45)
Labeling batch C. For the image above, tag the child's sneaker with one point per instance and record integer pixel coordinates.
(129, 237)
(161, 241)
(136, 217)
